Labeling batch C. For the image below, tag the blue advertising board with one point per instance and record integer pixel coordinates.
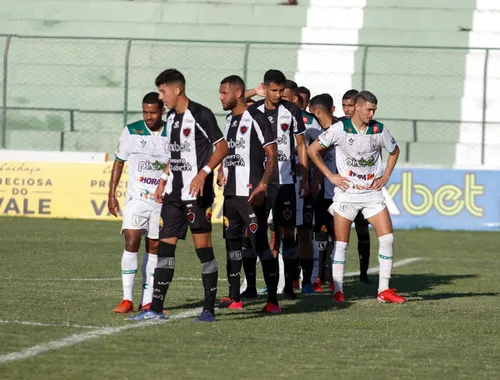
(444, 199)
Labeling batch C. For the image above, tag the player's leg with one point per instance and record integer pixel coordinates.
(378, 216)
(256, 220)
(201, 230)
(133, 226)
(363, 232)
(305, 245)
(234, 239)
(249, 259)
(284, 214)
(344, 214)
(148, 272)
(321, 228)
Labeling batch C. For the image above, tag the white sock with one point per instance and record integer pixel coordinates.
(129, 270)
(338, 264)
(281, 264)
(315, 271)
(385, 260)
(148, 281)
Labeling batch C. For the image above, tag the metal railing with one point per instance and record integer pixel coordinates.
(35, 70)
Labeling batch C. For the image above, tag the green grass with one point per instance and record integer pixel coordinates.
(448, 329)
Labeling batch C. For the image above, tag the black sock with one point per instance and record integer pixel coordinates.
(298, 269)
(233, 248)
(270, 268)
(164, 273)
(321, 265)
(364, 256)
(209, 276)
(307, 268)
(289, 259)
(249, 264)
(328, 263)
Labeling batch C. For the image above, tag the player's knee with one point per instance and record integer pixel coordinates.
(207, 259)
(233, 247)
(246, 242)
(386, 241)
(321, 239)
(153, 246)
(265, 254)
(166, 256)
(340, 250)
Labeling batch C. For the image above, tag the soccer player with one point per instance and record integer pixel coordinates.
(141, 144)
(359, 187)
(188, 185)
(248, 169)
(360, 223)
(306, 96)
(305, 210)
(287, 126)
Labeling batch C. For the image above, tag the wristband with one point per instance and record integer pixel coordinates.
(164, 176)
(207, 169)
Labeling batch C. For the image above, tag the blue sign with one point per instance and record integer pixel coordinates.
(444, 199)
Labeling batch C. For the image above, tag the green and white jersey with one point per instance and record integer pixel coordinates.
(147, 157)
(358, 156)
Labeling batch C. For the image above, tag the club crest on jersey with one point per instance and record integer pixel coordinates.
(351, 141)
(143, 143)
(191, 216)
(287, 214)
(284, 127)
(243, 130)
(308, 217)
(187, 132)
(208, 214)
(226, 223)
(253, 227)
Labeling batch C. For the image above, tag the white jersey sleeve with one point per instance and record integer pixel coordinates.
(388, 141)
(122, 150)
(332, 136)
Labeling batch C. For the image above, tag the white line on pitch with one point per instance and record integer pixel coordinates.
(27, 323)
(83, 337)
(348, 274)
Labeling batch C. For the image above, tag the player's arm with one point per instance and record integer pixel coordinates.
(121, 155)
(160, 189)
(392, 147)
(259, 90)
(299, 129)
(209, 126)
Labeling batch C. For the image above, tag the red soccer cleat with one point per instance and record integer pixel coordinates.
(317, 287)
(338, 297)
(124, 307)
(271, 308)
(390, 296)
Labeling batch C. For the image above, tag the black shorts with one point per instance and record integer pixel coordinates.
(177, 215)
(281, 200)
(305, 213)
(324, 220)
(240, 215)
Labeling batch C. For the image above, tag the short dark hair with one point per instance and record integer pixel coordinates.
(367, 97)
(351, 94)
(274, 76)
(234, 80)
(300, 99)
(170, 76)
(322, 101)
(152, 98)
(304, 90)
(291, 85)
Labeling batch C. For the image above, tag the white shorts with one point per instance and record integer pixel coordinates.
(368, 205)
(144, 216)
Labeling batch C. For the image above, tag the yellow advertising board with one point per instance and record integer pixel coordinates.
(65, 190)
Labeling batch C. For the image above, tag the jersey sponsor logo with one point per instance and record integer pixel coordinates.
(282, 140)
(191, 217)
(282, 156)
(364, 177)
(146, 194)
(225, 223)
(148, 165)
(180, 165)
(271, 119)
(375, 129)
(287, 214)
(149, 180)
(236, 144)
(368, 162)
(234, 160)
(243, 130)
(305, 119)
(284, 127)
(176, 124)
(175, 147)
(208, 214)
(234, 123)
(187, 132)
(253, 227)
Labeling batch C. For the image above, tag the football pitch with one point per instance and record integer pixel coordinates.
(60, 280)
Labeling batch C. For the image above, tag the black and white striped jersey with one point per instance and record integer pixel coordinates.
(286, 122)
(246, 135)
(191, 136)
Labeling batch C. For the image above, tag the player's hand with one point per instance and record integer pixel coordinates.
(260, 90)
(304, 188)
(221, 179)
(196, 186)
(159, 191)
(315, 189)
(339, 181)
(258, 196)
(113, 205)
(379, 183)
